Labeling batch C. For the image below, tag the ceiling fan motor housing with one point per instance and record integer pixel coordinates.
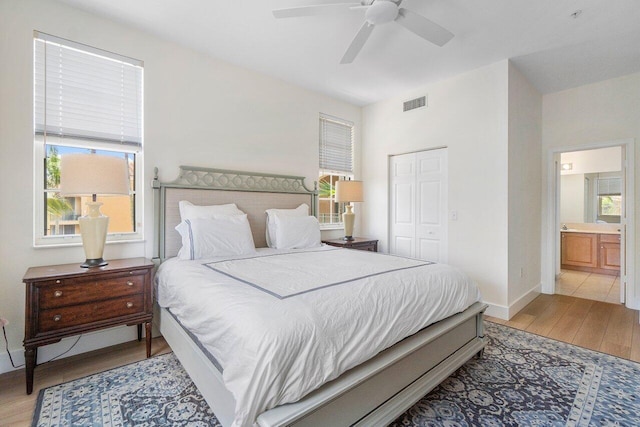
(381, 12)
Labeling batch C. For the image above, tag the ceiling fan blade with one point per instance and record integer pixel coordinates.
(358, 41)
(423, 27)
(315, 10)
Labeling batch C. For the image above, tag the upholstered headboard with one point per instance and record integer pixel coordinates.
(252, 192)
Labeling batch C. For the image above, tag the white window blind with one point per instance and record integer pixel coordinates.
(607, 186)
(336, 145)
(87, 93)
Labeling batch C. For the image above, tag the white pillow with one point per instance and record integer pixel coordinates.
(190, 211)
(272, 239)
(219, 236)
(293, 232)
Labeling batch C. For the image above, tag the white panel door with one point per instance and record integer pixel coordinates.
(431, 204)
(418, 205)
(402, 173)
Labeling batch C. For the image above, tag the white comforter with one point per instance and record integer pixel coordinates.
(280, 332)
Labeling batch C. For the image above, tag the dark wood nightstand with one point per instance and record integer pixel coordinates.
(359, 243)
(66, 300)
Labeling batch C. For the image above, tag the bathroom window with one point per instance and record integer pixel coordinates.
(609, 199)
(610, 205)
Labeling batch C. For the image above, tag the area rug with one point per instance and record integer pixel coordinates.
(522, 380)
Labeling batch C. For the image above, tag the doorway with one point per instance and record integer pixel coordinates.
(591, 215)
(591, 199)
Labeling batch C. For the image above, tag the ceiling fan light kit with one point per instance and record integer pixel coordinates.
(381, 12)
(377, 12)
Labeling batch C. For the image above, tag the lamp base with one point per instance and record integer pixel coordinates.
(95, 262)
(93, 229)
(348, 218)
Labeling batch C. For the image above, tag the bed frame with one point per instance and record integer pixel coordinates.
(373, 393)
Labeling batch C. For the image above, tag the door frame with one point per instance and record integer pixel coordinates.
(627, 226)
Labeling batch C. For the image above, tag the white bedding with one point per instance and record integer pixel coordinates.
(277, 348)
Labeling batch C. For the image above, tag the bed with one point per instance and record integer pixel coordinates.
(374, 383)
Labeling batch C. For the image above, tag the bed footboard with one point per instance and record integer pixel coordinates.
(374, 393)
(378, 391)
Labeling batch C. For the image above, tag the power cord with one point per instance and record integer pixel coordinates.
(6, 344)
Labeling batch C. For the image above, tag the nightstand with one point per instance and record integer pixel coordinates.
(66, 300)
(359, 243)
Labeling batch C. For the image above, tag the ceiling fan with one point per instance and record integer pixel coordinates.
(377, 12)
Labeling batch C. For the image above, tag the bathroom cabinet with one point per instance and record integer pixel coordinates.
(592, 252)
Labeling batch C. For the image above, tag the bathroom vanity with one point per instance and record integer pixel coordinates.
(595, 252)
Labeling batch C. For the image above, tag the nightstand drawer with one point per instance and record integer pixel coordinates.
(59, 318)
(79, 291)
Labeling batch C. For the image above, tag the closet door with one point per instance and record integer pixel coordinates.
(402, 185)
(418, 205)
(431, 204)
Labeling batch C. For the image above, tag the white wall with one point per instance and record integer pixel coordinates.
(198, 111)
(525, 136)
(592, 161)
(595, 113)
(467, 114)
(572, 198)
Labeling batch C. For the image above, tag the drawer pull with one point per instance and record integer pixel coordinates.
(57, 294)
(129, 304)
(57, 318)
(129, 283)
(58, 282)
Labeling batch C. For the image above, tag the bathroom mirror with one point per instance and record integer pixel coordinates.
(591, 198)
(591, 186)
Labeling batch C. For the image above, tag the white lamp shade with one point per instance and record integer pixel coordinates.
(349, 191)
(88, 174)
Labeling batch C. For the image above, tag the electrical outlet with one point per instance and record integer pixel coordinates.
(3, 322)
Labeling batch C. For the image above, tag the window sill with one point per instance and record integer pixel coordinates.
(331, 227)
(77, 242)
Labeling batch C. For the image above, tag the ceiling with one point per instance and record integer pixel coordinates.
(554, 50)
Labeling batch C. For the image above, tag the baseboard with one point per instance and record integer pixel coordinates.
(525, 299)
(5, 362)
(88, 342)
(505, 312)
(496, 310)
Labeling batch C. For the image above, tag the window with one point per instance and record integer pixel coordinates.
(609, 199)
(336, 162)
(610, 205)
(85, 100)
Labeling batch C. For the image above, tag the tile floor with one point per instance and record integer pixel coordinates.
(580, 284)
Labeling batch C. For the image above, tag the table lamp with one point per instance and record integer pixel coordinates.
(347, 192)
(92, 175)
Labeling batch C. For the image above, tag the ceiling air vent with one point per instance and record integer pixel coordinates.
(415, 103)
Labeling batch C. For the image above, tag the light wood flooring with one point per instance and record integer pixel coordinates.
(16, 407)
(596, 325)
(610, 328)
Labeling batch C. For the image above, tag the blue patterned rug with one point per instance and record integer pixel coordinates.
(522, 380)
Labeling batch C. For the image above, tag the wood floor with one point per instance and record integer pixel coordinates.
(596, 325)
(605, 327)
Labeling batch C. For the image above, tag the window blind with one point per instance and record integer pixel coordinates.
(84, 92)
(336, 145)
(609, 186)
